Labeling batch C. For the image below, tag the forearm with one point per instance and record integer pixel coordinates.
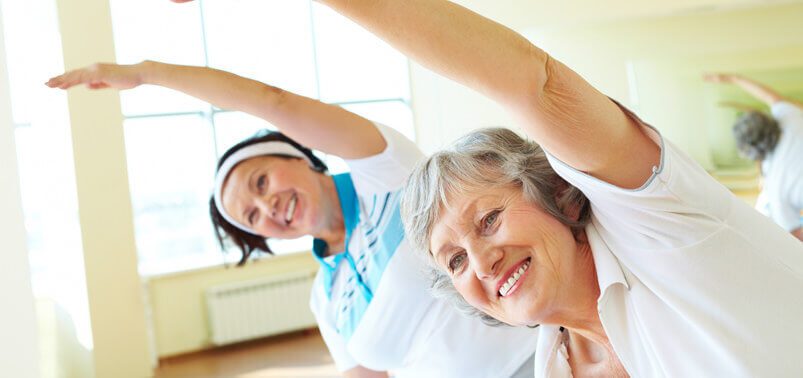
(738, 106)
(219, 88)
(317, 125)
(755, 89)
(798, 233)
(453, 41)
(362, 372)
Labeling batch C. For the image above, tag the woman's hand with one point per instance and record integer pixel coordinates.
(760, 91)
(717, 78)
(317, 125)
(101, 75)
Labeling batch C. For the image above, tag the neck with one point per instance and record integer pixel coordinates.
(588, 341)
(333, 231)
(579, 312)
(588, 357)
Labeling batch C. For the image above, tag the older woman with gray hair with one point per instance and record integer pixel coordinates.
(776, 143)
(629, 256)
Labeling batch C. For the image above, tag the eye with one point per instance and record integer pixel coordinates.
(490, 220)
(456, 261)
(261, 183)
(252, 217)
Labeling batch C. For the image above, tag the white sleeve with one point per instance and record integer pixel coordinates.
(334, 342)
(786, 113)
(785, 198)
(784, 213)
(388, 170)
(679, 204)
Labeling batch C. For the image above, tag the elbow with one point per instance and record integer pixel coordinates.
(531, 84)
(273, 98)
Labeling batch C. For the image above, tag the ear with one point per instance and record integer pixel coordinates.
(563, 199)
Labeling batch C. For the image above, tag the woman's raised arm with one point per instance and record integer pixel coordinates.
(317, 125)
(557, 107)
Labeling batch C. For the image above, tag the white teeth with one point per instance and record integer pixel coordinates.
(503, 291)
(291, 207)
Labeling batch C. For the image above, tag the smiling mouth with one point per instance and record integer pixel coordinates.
(513, 279)
(291, 209)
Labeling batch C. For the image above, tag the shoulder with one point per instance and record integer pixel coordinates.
(386, 171)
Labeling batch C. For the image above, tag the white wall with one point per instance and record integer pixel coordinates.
(178, 308)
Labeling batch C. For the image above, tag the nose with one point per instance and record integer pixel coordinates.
(486, 260)
(268, 206)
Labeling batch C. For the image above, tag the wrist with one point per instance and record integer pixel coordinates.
(147, 71)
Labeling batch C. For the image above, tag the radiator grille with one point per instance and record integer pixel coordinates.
(251, 309)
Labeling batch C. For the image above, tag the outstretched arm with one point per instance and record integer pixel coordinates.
(320, 126)
(761, 92)
(361, 372)
(738, 106)
(798, 233)
(557, 108)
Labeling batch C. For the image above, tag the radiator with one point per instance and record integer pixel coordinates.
(251, 309)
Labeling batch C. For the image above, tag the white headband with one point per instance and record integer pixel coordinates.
(245, 153)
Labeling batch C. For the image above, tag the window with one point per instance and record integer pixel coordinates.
(45, 158)
(173, 141)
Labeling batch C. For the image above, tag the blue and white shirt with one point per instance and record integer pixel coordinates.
(372, 301)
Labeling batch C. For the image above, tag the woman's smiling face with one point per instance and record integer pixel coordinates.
(506, 256)
(276, 197)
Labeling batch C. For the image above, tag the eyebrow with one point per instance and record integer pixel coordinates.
(442, 251)
(471, 205)
(246, 209)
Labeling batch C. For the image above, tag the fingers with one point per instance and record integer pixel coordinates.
(65, 80)
(88, 75)
(711, 77)
(716, 78)
(97, 85)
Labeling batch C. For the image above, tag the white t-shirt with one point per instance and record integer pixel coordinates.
(693, 282)
(383, 317)
(783, 169)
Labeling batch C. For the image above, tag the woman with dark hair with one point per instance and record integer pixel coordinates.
(371, 304)
(776, 143)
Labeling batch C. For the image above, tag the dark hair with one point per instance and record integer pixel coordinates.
(756, 135)
(249, 242)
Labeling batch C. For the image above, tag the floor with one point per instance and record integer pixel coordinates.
(300, 354)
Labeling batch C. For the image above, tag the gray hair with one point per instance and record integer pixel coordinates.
(756, 135)
(486, 158)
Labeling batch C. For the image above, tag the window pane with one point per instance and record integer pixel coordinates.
(266, 40)
(33, 53)
(170, 167)
(353, 64)
(162, 31)
(50, 204)
(44, 150)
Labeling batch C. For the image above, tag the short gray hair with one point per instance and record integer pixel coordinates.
(756, 135)
(486, 158)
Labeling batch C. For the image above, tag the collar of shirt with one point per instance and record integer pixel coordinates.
(351, 217)
(609, 272)
(551, 355)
